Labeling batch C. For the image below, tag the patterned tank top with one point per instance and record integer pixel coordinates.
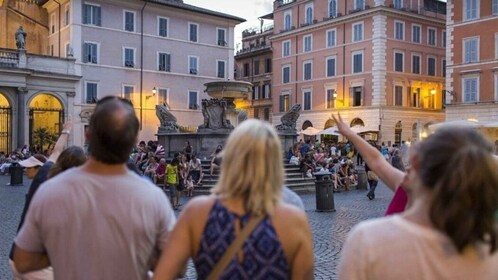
(263, 257)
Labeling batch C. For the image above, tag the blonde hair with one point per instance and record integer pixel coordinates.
(252, 167)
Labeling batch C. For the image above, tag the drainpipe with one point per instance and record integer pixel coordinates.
(60, 9)
(141, 61)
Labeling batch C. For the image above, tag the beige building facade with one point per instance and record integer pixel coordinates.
(379, 63)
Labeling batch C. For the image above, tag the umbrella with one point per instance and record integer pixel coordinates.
(329, 131)
(310, 131)
(491, 125)
(464, 123)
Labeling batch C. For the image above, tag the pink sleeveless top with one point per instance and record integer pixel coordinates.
(398, 203)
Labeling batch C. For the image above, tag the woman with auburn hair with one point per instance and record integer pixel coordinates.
(248, 194)
(449, 231)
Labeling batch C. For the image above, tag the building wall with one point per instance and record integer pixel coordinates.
(111, 75)
(378, 78)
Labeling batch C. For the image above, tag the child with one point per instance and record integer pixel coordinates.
(189, 184)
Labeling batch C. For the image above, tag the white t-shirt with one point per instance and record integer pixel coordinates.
(395, 248)
(97, 227)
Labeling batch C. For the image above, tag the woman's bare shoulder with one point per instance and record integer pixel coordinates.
(289, 213)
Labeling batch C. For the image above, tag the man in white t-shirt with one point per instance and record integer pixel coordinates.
(98, 221)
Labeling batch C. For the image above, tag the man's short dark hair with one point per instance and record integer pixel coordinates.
(113, 130)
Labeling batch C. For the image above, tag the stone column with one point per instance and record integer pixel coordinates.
(21, 117)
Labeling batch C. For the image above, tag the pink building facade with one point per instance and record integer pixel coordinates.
(379, 63)
(472, 80)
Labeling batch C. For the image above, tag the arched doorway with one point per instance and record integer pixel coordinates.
(5, 124)
(327, 138)
(46, 116)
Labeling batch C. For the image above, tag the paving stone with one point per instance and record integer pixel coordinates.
(330, 229)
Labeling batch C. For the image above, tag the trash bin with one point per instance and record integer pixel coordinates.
(16, 173)
(362, 178)
(324, 190)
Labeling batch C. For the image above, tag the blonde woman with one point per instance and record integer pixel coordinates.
(250, 185)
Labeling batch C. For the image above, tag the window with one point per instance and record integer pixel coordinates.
(163, 96)
(91, 93)
(398, 4)
(284, 102)
(268, 65)
(286, 48)
(287, 20)
(192, 32)
(357, 62)
(443, 68)
(495, 7)
(470, 9)
(471, 50)
(307, 70)
(266, 91)
(398, 62)
(307, 41)
(246, 70)
(359, 4)
(330, 98)
(332, 8)
(90, 54)
(267, 114)
(255, 67)
(399, 30)
(162, 26)
(129, 57)
(416, 33)
(67, 16)
(431, 66)
(331, 38)
(255, 92)
(286, 74)
(443, 39)
(91, 14)
(52, 23)
(220, 69)
(496, 45)
(431, 36)
(129, 21)
(164, 62)
(69, 51)
(222, 40)
(193, 65)
(470, 89)
(256, 113)
(415, 64)
(398, 95)
(330, 66)
(192, 100)
(307, 100)
(128, 92)
(357, 32)
(356, 96)
(309, 14)
(52, 50)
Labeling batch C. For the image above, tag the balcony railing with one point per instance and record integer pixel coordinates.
(9, 58)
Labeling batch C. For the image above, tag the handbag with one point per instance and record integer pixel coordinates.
(233, 248)
(372, 176)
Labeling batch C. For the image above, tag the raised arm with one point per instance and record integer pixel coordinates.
(391, 176)
(61, 142)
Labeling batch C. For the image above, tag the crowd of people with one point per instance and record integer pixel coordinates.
(89, 216)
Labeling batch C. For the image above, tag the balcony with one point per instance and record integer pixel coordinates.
(10, 58)
(279, 3)
(328, 16)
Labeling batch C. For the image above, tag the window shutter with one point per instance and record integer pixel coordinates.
(281, 103)
(86, 14)
(85, 53)
(362, 96)
(408, 96)
(351, 96)
(98, 21)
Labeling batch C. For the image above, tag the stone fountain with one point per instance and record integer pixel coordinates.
(220, 116)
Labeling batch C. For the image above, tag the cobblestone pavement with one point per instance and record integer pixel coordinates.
(329, 228)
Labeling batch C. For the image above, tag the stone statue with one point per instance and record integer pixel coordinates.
(214, 112)
(167, 120)
(20, 38)
(289, 119)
